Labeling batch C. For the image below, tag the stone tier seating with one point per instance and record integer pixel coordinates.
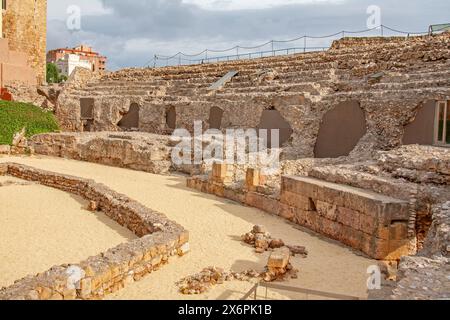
(302, 88)
(14, 66)
(297, 73)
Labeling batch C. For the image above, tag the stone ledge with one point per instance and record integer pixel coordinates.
(385, 208)
(109, 271)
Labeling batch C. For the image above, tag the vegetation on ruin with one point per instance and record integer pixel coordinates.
(53, 75)
(14, 116)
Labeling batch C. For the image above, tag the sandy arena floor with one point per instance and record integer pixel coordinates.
(42, 227)
(215, 226)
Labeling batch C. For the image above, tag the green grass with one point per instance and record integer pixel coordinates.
(15, 115)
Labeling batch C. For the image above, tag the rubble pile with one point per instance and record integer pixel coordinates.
(211, 276)
(278, 267)
(263, 241)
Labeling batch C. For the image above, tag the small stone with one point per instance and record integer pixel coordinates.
(279, 258)
(259, 229)
(276, 243)
(5, 149)
(93, 206)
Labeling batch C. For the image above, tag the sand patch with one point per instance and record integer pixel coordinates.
(215, 227)
(41, 227)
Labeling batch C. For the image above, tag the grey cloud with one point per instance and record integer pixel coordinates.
(169, 25)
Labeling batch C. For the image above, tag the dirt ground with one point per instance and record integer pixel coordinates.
(42, 227)
(215, 227)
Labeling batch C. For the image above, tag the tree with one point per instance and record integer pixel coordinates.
(53, 75)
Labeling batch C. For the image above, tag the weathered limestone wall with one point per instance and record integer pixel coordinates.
(25, 27)
(112, 270)
(390, 79)
(137, 151)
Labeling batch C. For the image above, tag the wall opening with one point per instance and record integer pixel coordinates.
(87, 108)
(272, 120)
(341, 130)
(421, 130)
(171, 118)
(215, 118)
(130, 120)
(87, 113)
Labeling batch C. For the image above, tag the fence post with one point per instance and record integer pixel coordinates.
(154, 61)
(206, 55)
(382, 30)
(273, 51)
(304, 44)
(237, 52)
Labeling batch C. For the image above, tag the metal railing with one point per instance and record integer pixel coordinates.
(307, 292)
(243, 52)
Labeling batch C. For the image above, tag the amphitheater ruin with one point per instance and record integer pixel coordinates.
(364, 174)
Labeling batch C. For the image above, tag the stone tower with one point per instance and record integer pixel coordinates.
(25, 28)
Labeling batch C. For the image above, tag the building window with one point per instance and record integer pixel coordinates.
(442, 130)
(4, 4)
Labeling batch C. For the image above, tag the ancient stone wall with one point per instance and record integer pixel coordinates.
(372, 223)
(390, 79)
(144, 152)
(25, 27)
(109, 271)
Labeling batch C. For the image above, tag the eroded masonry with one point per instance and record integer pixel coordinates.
(364, 127)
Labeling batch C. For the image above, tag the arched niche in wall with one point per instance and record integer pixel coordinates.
(171, 118)
(272, 119)
(421, 130)
(341, 130)
(130, 120)
(215, 118)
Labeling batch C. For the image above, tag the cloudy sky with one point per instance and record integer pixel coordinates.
(131, 32)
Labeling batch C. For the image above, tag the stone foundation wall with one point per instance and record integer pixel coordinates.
(144, 152)
(109, 271)
(372, 223)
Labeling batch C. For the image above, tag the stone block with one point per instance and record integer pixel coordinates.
(398, 249)
(367, 224)
(326, 210)
(348, 217)
(398, 231)
(279, 258)
(263, 202)
(352, 237)
(297, 201)
(220, 172)
(5, 149)
(287, 212)
(300, 217)
(312, 219)
(331, 228)
(252, 179)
